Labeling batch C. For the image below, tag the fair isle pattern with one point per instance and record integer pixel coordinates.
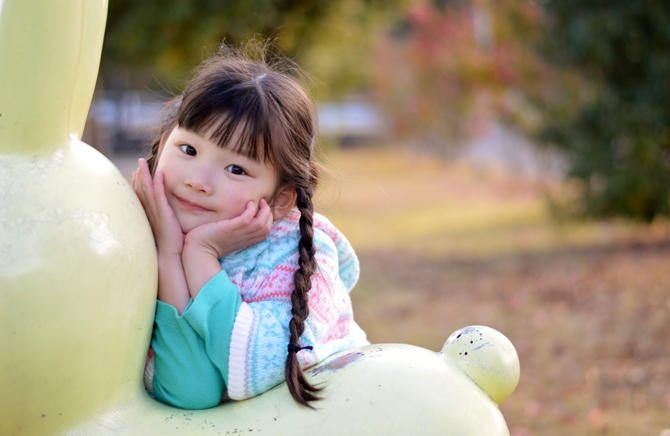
(263, 274)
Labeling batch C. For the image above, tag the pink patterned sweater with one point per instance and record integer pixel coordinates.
(264, 276)
(245, 335)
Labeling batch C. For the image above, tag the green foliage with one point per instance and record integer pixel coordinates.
(598, 88)
(616, 129)
(165, 39)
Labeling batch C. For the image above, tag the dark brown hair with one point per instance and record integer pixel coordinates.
(235, 91)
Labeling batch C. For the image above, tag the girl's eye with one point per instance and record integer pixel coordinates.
(189, 150)
(234, 169)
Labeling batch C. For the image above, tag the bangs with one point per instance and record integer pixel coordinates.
(233, 117)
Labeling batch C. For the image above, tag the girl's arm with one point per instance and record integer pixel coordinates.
(172, 286)
(260, 334)
(206, 244)
(183, 374)
(191, 350)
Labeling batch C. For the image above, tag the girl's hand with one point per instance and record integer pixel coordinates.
(167, 231)
(223, 237)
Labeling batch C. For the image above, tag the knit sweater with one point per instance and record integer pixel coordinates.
(235, 334)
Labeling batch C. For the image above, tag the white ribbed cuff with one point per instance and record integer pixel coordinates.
(149, 375)
(238, 366)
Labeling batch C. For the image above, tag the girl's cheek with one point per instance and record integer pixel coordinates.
(168, 173)
(238, 201)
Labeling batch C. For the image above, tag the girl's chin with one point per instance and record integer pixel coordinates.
(187, 228)
(188, 225)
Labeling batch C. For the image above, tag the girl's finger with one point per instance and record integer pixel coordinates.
(264, 218)
(263, 206)
(137, 184)
(139, 190)
(159, 193)
(133, 184)
(159, 187)
(264, 211)
(268, 223)
(259, 230)
(257, 239)
(146, 184)
(248, 214)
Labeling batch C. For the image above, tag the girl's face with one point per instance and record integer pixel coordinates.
(206, 183)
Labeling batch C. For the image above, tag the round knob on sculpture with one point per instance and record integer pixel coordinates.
(487, 357)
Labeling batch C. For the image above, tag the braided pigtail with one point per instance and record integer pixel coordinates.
(301, 390)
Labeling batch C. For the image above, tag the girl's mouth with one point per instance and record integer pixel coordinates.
(191, 206)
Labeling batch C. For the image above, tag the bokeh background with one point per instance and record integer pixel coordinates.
(496, 162)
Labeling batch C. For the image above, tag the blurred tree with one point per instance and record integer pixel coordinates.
(587, 77)
(160, 41)
(616, 128)
(450, 66)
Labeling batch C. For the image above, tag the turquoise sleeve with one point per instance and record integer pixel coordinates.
(184, 376)
(212, 316)
(191, 351)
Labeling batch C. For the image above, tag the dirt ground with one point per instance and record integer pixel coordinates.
(590, 327)
(586, 304)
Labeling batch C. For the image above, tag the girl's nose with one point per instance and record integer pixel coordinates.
(199, 182)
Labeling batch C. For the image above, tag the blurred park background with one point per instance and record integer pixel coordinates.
(496, 162)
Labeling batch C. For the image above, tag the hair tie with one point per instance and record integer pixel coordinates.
(296, 348)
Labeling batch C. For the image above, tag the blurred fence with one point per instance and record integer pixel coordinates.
(123, 122)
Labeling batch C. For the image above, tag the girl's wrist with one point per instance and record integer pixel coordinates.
(168, 258)
(169, 246)
(200, 263)
(169, 252)
(193, 246)
(172, 287)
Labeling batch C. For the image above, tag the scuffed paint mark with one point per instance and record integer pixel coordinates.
(483, 345)
(338, 363)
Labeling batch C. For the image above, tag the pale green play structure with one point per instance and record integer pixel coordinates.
(78, 284)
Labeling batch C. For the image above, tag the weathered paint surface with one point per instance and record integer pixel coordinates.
(77, 263)
(488, 357)
(390, 389)
(338, 363)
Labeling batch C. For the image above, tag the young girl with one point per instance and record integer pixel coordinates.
(253, 286)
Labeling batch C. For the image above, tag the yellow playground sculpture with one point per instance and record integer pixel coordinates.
(77, 295)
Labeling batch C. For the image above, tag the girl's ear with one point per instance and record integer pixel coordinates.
(283, 202)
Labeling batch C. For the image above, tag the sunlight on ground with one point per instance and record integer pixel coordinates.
(385, 198)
